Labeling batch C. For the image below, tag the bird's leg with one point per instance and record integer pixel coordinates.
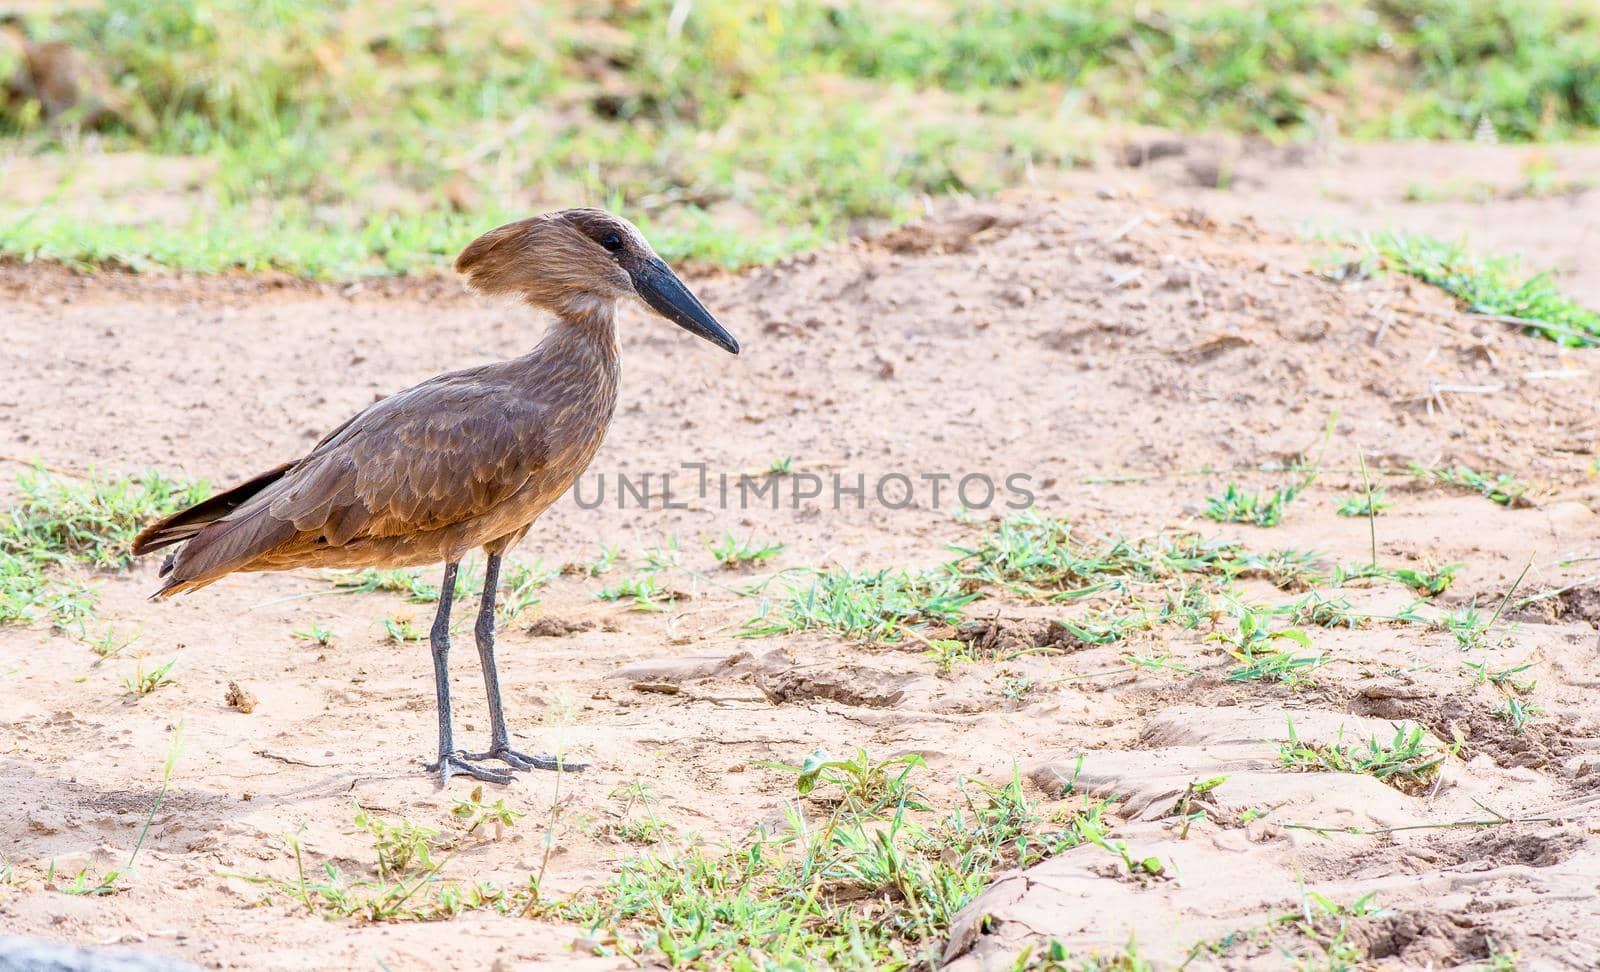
(450, 760)
(500, 738)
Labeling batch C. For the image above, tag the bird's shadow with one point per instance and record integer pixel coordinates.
(44, 818)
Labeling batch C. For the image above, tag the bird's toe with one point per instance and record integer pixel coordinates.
(531, 761)
(449, 765)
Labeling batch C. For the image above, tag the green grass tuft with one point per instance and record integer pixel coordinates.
(871, 607)
(1406, 762)
(61, 522)
(1237, 505)
(814, 895)
(405, 881)
(1038, 557)
(91, 521)
(1490, 285)
(1367, 504)
(1262, 653)
(1502, 488)
(733, 553)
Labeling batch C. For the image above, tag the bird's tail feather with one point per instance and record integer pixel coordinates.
(215, 545)
(184, 524)
(223, 547)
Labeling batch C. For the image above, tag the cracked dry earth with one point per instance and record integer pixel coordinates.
(1108, 349)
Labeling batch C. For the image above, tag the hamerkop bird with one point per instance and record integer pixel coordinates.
(467, 459)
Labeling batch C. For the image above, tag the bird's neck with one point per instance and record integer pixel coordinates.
(588, 317)
(581, 347)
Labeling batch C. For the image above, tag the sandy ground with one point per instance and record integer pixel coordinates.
(1539, 202)
(1134, 331)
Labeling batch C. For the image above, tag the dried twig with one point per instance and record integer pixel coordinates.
(1500, 820)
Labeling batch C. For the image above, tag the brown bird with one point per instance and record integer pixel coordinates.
(467, 459)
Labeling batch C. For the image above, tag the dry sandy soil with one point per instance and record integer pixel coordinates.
(1107, 342)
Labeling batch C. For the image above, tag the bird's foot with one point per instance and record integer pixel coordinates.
(524, 761)
(449, 764)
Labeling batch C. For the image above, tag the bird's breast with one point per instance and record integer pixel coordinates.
(576, 433)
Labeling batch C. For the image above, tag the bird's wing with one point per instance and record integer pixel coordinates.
(442, 452)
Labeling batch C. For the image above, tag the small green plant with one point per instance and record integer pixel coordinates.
(1517, 713)
(316, 634)
(733, 553)
(402, 629)
(1259, 651)
(1429, 581)
(1053, 955)
(645, 829)
(892, 882)
(1157, 663)
(408, 858)
(521, 585)
(1292, 670)
(402, 580)
(605, 563)
(1094, 830)
(1468, 625)
(1502, 488)
(635, 792)
(1028, 554)
(644, 591)
(479, 815)
(1287, 569)
(1372, 504)
(782, 467)
(1193, 806)
(873, 607)
(1017, 687)
(1405, 762)
(866, 785)
(1106, 627)
(1505, 679)
(947, 653)
(401, 846)
(1325, 612)
(1192, 607)
(93, 520)
(408, 886)
(30, 592)
(662, 556)
(1038, 557)
(1237, 505)
(1498, 961)
(142, 683)
(1325, 923)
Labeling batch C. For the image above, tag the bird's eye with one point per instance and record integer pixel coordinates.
(612, 242)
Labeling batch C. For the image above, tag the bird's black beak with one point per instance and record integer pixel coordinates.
(665, 293)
